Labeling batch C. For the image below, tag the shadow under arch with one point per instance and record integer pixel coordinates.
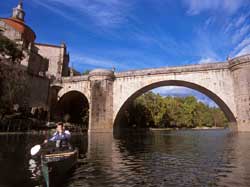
(76, 105)
(223, 106)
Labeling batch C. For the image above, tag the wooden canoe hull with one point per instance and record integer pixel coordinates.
(56, 166)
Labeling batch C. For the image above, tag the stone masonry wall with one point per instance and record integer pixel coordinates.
(39, 90)
(9, 32)
(54, 54)
(240, 68)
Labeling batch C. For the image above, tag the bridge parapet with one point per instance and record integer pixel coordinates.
(169, 70)
(101, 74)
(239, 61)
(75, 78)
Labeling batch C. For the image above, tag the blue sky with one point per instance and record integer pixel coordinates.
(135, 34)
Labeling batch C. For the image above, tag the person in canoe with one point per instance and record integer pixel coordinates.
(61, 137)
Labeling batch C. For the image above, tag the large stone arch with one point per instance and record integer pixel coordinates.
(74, 103)
(227, 109)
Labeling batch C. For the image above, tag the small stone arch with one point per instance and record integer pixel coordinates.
(82, 87)
(73, 103)
(223, 106)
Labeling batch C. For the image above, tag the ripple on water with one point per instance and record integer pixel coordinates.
(176, 158)
(183, 158)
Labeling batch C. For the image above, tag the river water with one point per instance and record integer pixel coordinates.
(158, 158)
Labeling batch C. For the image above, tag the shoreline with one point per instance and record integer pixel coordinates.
(84, 132)
(30, 132)
(35, 133)
(176, 129)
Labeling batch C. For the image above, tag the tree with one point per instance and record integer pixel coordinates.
(86, 72)
(155, 105)
(203, 115)
(9, 50)
(187, 114)
(152, 109)
(13, 79)
(218, 117)
(138, 115)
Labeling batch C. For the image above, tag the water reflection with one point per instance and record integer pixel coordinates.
(14, 160)
(180, 158)
(236, 168)
(162, 158)
(34, 169)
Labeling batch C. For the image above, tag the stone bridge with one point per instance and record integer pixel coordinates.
(108, 93)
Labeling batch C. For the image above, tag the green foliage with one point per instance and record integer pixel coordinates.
(13, 80)
(153, 110)
(14, 87)
(86, 72)
(10, 50)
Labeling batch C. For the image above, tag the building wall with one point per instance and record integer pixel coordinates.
(39, 91)
(65, 67)
(37, 64)
(9, 32)
(55, 55)
(34, 62)
(15, 36)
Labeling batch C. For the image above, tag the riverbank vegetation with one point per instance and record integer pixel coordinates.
(156, 111)
(13, 82)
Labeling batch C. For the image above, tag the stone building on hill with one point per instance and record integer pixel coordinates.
(43, 63)
(40, 59)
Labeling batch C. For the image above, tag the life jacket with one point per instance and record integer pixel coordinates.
(62, 140)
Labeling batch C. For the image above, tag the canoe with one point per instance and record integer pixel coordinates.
(55, 166)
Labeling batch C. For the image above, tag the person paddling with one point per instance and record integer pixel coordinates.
(61, 136)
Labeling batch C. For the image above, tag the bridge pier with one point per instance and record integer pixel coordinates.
(101, 100)
(240, 69)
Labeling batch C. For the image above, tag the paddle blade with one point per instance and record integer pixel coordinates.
(34, 150)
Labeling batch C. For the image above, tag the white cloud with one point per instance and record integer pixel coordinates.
(206, 45)
(240, 20)
(195, 7)
(55, 10)
(244, 51)
(78, 60)
(160, 39)
(237, 31)
(207, 60)
(105, 13)
(240, 33)
(170, 90)
(243, 44)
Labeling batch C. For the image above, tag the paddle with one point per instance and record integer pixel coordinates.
(35, 149)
